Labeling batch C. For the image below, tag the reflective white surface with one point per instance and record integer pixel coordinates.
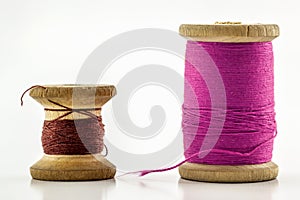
(157, 186)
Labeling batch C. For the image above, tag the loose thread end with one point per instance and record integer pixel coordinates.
(145, 172)
(138, 173)
(35, 86)
(129, 173)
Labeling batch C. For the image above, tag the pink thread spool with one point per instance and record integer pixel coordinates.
(229, 33)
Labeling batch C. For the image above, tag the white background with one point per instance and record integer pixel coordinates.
(43, 42)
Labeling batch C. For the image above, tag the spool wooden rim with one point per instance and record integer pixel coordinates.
(72, 168)
(229, 173)
(230, 32)
(67, 90)
(73, 95)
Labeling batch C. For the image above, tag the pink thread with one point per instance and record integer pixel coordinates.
(250, 127)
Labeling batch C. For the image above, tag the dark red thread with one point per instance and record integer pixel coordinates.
(72, 137)
(84, 111)
(35, 86)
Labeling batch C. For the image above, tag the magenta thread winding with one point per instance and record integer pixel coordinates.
(249, 128)
(247, 134)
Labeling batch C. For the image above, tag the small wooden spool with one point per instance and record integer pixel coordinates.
(234, 32)
(72, 167)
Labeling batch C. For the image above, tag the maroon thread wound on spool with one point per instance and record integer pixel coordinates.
(67, 137)
(71, 137)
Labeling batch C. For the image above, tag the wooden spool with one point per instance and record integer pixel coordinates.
(234, 32)
(72, 167)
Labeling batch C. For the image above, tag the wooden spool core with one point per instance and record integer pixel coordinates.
(238, 33)
(72, 167)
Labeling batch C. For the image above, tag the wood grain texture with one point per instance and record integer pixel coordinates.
(230, 32)
(72, 96)
(228, 173)
(72, 167)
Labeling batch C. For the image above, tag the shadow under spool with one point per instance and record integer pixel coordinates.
(233, 33)
(72, 167)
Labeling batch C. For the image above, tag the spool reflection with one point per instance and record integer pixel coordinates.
(92, 190)
(200, 190)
